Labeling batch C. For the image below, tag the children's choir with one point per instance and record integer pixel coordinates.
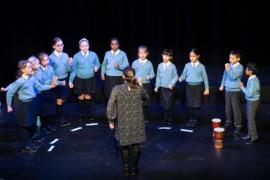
(43, 84)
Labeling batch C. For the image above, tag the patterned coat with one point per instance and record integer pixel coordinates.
(127, 107)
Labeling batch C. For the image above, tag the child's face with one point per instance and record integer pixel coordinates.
(248, 72)
(193, 57)
(84, 47)
(142, 54)
(59, 46)
(114, 45)
(233, 59)
(45, 61)
(27, 69)
(35, 65)
(166, 58)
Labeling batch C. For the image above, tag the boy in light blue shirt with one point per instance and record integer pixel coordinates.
(231, 81)
(252, 95)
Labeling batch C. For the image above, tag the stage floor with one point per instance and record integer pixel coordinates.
(89, 153)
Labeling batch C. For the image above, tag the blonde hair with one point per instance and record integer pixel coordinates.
(32, 59)
(83, 40)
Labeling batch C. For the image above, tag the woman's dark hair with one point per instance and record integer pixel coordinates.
(115, 39)
(235, 53)
(21, 65)
(252, 67)
(55, 40)
(168, 52)
(195, 51)
(129, 76)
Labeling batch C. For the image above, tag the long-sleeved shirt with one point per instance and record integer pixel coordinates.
(252, 91)
(25, 86)
(110, 59)
(143, 68)
(166, 75)
(195, 73)
(45, 75)
(60, 64)
(232, 77)
(84, 65)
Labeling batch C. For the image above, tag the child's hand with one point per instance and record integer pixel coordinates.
(103, 78)
(206, 92)
(96, 69)
(170, 87)
(227, 66)
(221, 88)
(148, 77)
(111, 125)
(181, 79)
(71, 85)
(70, 61)
(139, 81)
(3, 89)
(241, 84)
(9, 109)
(156, 89)
(117, 65)
(63, 83)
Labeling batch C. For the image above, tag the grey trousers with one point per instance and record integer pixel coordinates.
(251, 108)
(233, 108)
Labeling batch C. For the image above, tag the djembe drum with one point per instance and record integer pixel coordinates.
(216, 122)
(218, 135)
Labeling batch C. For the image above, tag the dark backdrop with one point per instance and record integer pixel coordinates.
(215, 27)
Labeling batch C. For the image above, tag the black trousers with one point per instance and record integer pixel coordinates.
(251, 108)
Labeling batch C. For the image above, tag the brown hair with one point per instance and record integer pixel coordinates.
(41, 56)
(21, 65)
(55, 40)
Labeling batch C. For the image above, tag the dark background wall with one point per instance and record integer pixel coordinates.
(215, 27)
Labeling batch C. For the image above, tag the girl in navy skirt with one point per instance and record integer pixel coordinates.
(62, 65)
(115, 61)
(165, 81)
(195, 75)
(45, 75)
(85, 65)
(25, 108)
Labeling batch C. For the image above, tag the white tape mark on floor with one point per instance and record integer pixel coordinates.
(187, 130)
(91, 124)
(51, 148)
(54, 141)
(76, 129)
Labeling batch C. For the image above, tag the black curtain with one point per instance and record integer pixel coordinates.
(215, 27)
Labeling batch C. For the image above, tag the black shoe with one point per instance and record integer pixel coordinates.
(50, 129)
(227, 125)
(193, 123)
(29, 149)
(247, 137)
(90, 117)
(190, 122)
(65, 123)
(35, 146)
(38, 139)
(45, 131)
(134, 171)
(251, 142)
(126, 170)
(237, 130)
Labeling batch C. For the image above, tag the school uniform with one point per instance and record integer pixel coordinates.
(113, 76)
(83, 71)
(195, 76)
(231, 81)
(26, 106)
(252, 96)
(61, 67)
(45, 76)
(166, 76)
(144, 68)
